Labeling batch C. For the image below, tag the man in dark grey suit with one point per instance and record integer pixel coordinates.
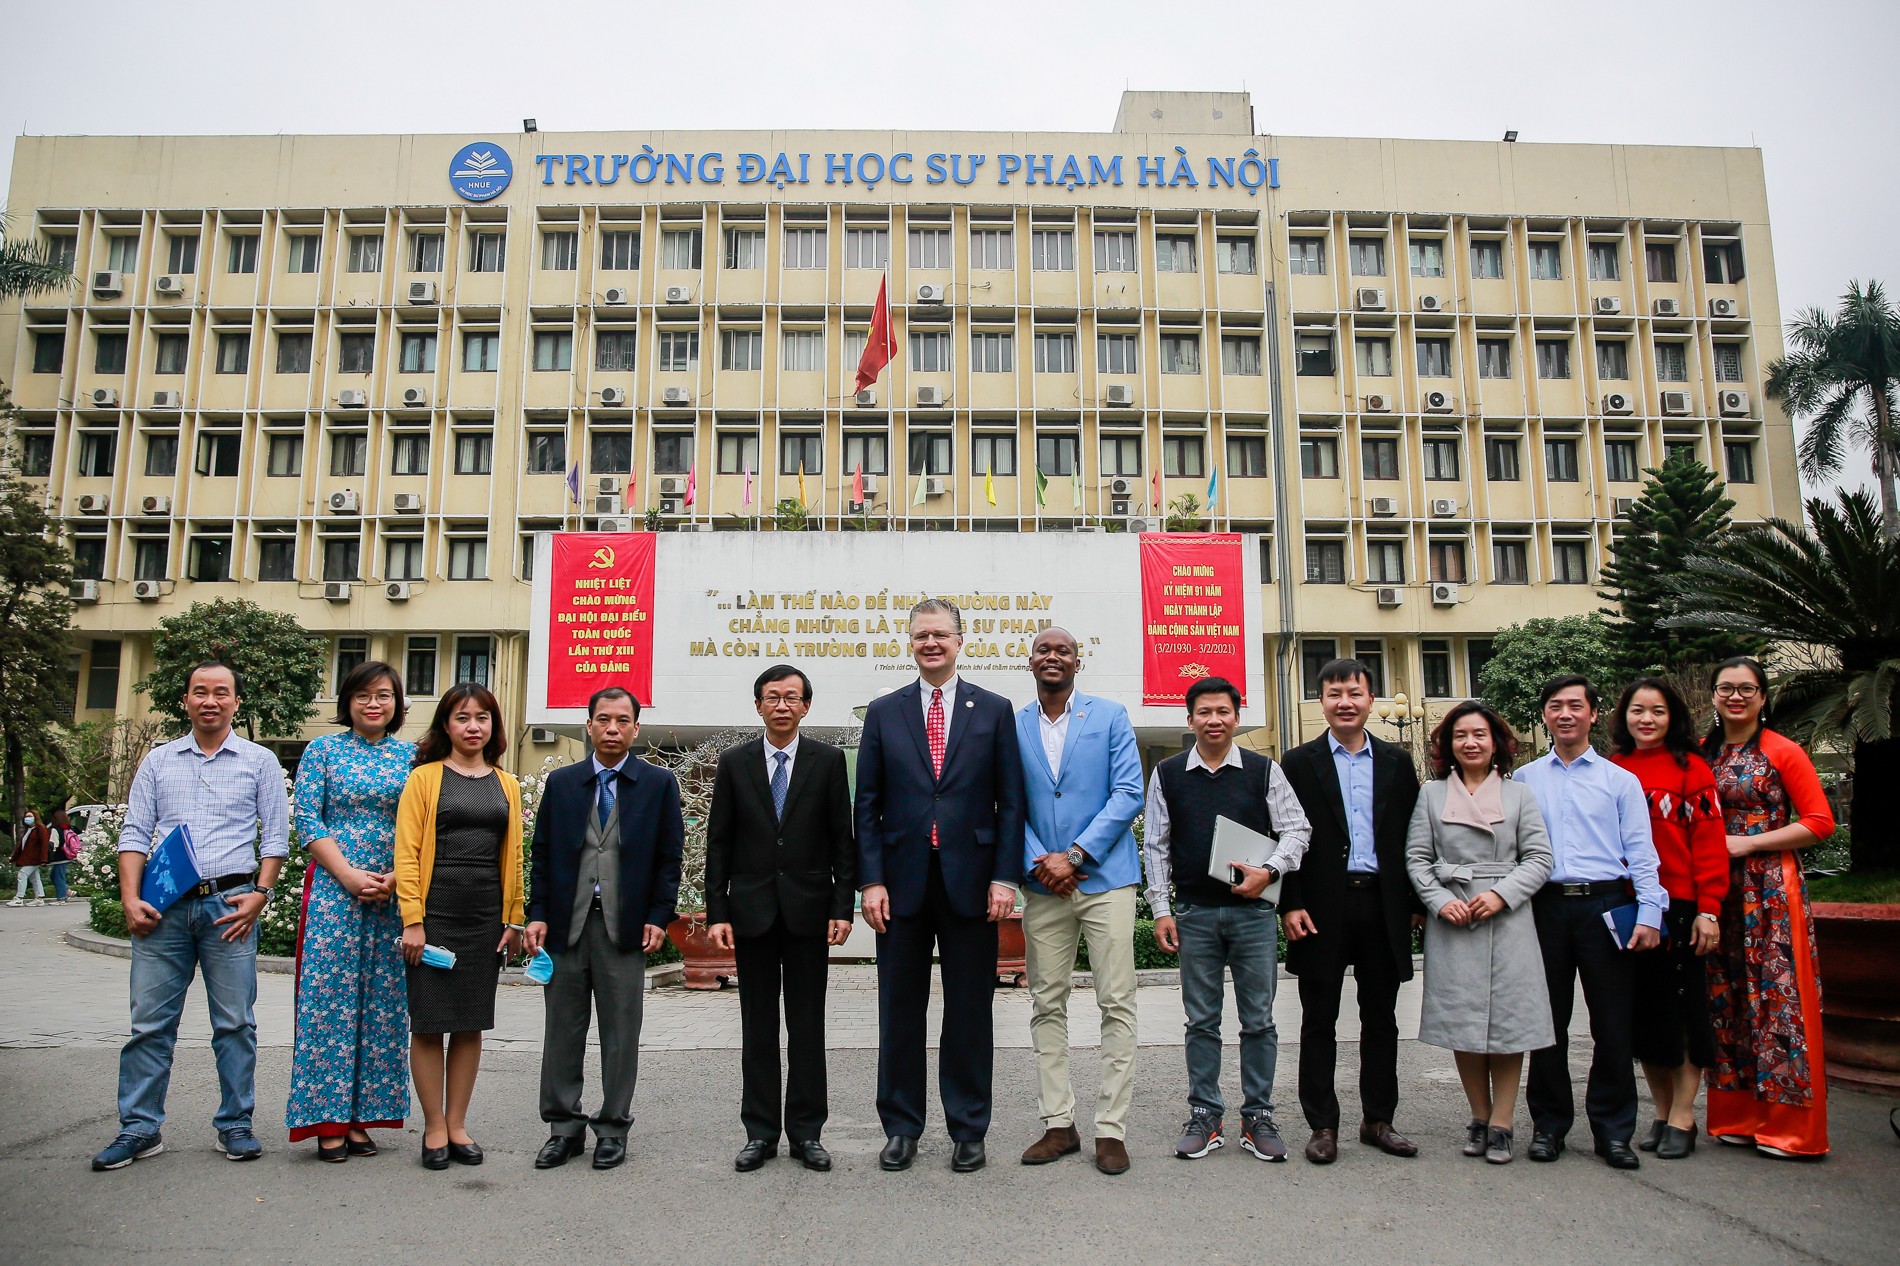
(780, 864)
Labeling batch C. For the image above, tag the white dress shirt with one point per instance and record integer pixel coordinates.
(1283, 806)
(1055, 734)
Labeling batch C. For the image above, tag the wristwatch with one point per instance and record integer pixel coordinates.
(269, 891)
(1076, 856)
(1710, 917)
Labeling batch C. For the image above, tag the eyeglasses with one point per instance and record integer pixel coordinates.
(934, 637)
(781, 701)
(381, 696)
(1726, 691)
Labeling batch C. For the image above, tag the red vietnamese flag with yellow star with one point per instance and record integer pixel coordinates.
(880, 348)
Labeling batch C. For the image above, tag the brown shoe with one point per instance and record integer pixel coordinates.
(1111, 1156)
(1055, 1143)
(1323, 1147)
(1381, 1135)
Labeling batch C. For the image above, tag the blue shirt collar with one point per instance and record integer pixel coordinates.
(1340, 749)
(600, 769)
(1588, 756)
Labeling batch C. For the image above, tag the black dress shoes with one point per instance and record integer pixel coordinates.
(609, 1152)
(1545, 1146)
(1649, 1141)
(1676, 1144)
(898, 1153)
(967, 1156)
(558, 1151)
(1618, 1154)
(754, 1154)
(811, 1155)
(465, 1153)
(435, 1157)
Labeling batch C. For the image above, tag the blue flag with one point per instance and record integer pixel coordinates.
(574, 483)
(170, 871)
(1213, 484)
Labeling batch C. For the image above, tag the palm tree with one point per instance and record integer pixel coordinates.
(1833, 595)
(1835, 361)
(28, 268)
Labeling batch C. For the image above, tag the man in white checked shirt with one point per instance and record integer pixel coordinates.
(230, 792)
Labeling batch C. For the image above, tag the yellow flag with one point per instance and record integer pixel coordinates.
(989, 486)
(802, 499)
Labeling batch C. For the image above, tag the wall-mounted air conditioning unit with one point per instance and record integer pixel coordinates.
(1431, 303)
(608, 504)
(147, 590)
(1437, 401)
(608, 486)
(107, 282)
(352, 398)
(930, 294)
(1389, 596)
(1444, 508)
(676, 395)
(398, 591)
(1666, 308)
(1119, 396)
(1606, 305)
(86, 591)
(168, 399)
(870, 485)
(1725, 309)
(157, 503)
(1119, 487)
(1733, 402)
(169, 285)
(935, 485)
(1384, 507)
(408, 503)
(94, 503)
(677, 294)
(1675, 403)
(616, 295)
(672, 507)
(1119, 506)
(1378, 402)
(622, 525)
(672, 486)
(613, 397)
(1369, 298)
(1619, 402)
(336, 590)
(541, 734)
(422, 292)
(931, 397)
(1444, 593)
(415, 397)
(1137, 526)
(104, 397)
(866, 398)
(1621, 506)
(344, 502)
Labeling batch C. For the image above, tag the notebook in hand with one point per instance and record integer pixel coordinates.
(1236, 843)
(170, 871)
(1622, 924)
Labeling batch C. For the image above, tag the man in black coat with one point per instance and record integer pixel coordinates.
(780, 861)
(1351, 904)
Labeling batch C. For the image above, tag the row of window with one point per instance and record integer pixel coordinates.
(1603, 259)
(209, 555)
(1379, 458)
(1446, 560)
(1373, 358)
(1435, 655)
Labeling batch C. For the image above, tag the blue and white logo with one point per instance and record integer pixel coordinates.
(480, 171)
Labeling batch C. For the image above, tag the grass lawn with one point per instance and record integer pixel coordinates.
(1873, 886)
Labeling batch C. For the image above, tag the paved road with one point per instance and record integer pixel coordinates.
(63, 1014)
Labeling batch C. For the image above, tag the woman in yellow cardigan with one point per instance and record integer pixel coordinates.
(458, 882)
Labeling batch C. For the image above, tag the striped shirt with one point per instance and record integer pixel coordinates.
(233, 800)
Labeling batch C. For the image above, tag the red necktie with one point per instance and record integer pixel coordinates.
(934, 732)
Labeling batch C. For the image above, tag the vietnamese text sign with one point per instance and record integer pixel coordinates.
(1193, 613)
(600, 616)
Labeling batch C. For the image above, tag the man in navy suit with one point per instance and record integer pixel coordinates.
(940, 858)
(605, 874)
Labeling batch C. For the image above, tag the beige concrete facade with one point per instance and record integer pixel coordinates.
(1428, 371)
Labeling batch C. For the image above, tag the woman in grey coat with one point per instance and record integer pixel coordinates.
(1477, 852)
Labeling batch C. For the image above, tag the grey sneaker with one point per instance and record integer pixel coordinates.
(1201, 1135)
(1259, 1135)
(127, 1148)
(239, 1144)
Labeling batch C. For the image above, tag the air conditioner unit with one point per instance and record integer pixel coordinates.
(541, 734)
(1675, 403)
(1726, 308)
(422, 292)
(932, 396)
(613, 396)
(1137, 526)
(105, 397)
(408, 503)
(1444, 508)
(608, 486)
(94, 503)
(336, 591)
(398, 591)
(672, 486)
(1621, 506)
(147, 590)
(1606, 305)
(352, 398)
(621, 525)
(935, 485)
(1618, 402)
(607, 504)
(83, 591)
(616, 295)
(1385, 507)
(866, 398)
(168, 399)
(1733, 402)
(676, 395)
(678, 294)
(856, 507)
(1119, 505)
(1431, 303)
(169, 285)
(343, 502)
(415, 397)
(672, 507)
(1438, 402)
(1444, 594)
(158, 503)
(1369, 298)
(1120, 487)
(108, 283)
(1120, 396)
(870, 485)
(1378, 402)
(1667, 308)
(1390, 596)
(930, 294)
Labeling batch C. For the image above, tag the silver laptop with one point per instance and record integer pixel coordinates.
(1236, 843)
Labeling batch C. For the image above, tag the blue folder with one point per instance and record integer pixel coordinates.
(1622, 924)
(171, 871)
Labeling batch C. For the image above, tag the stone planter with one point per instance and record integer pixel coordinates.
(707, 966)
(1859, 950)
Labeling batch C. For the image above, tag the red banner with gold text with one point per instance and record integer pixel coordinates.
(1192, 613)
(600, 616)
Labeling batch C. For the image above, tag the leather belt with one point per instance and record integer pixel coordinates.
(1360, 879)
(1595, 888)
(222, 883)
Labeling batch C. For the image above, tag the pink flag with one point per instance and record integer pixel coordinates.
(748, 483)
(857, 484)
(692, 482)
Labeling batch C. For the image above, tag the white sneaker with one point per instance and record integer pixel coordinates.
(16, 902)
(36, 902)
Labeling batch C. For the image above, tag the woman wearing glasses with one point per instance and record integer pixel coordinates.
(1767, 1087)
(349, 1074)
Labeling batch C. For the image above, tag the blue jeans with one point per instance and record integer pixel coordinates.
(1214, 939)
(187, 938)
(59, 880)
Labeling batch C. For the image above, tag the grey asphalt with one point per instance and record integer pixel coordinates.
(678, 1194)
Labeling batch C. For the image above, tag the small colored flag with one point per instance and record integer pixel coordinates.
(989, 486)
(574, 483)
(692, 482)
(857, 483)
(803, 500)
(880, 348)
(747, 499)
(1154, 502)
(1213, 484)
(1042, 488)
(923, 481)
(1075, 481)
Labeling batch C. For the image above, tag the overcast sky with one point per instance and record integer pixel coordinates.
(1808, 83)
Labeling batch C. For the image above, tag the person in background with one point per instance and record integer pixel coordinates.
(1767, 1085)
(1477, 854)
(458, 882)
(66, 847)
(348, 1074)
(34, 850)
(1651, 736)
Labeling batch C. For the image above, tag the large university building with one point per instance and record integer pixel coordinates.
(353, 377)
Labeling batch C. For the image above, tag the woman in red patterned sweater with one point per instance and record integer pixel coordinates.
(1653, 739)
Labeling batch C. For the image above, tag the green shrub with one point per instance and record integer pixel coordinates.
(107, 916)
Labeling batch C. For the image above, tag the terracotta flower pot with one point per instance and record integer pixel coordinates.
(1859, 950)
(1012, 952)
(707, 966)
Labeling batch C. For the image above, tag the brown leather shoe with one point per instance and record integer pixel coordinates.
(1323, 1147)
(1111, 1156)
(1381, 1135)
(1055, 1143)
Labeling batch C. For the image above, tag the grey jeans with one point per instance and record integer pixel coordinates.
(1244, 938)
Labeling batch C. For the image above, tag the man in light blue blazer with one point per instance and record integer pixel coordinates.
(1082, 787)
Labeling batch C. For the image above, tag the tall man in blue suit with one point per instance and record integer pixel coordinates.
(1082, 784)
(940, 857)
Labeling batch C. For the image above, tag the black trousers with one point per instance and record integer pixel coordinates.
(1363, 944)
(966, 1046)
(779, 964)
(1577, 946)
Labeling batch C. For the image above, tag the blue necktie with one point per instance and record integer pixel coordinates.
(606, 796)
(780, 781)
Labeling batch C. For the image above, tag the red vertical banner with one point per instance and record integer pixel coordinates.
(600, 616)
(1193, 604)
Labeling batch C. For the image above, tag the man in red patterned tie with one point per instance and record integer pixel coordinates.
(940, 854)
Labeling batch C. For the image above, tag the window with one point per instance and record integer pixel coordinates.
(474, 453)
(342, 558)
(242, 257)
(1494, 358)
(1510, 562)
(679, 351)
(409, 454)
(867, 248)
(1613, 360)
(468, 558)
(1373, 356)
(425, 252)
(108, 352)
(356, 353)
(992, 353)
(1660, 261)
(804, 351)
(1379, 458)
(801, 450)
(992, 249)
(547, 452)
(930, 248)
(867, 451)
(745, 249)
(1174, 253)
(1553, 358)
(1435, 659)
(1116, 354)
(1728, 362)
(1315, 654)
(1739, 457)
(98, 451)
(1547, 261)
(992, 454)
(151, 556)
(1314, 355)
(1326, 562)
(1236, 255)
(1427, 256)
(481, 352)
(210, 559)
(1121, 455)
(285, 459)
(402, 558)
(349, 453)
(170, 357)
(122, 252)
(1306, 256)
(1434, 358)
(1052, 250)
(418, 666)
(1603, 262)
(36, 457)
(488, 252)
(1672, 362)
(672, 452)
(930, 351)
(1679, 451)
(1446, 560)
(1487, 259)
(1500, 459)
(304, 251)
(49, 351)
(1058, 455)
(366, 253)
(418, 353)
(930, 453)
(614, 350)
(1240, 355)
(1180, 353)
(472, 659)
(804, 248)
(853, 347)
(1441, 457)
(277, 558)
(161, 456)
(553, 350)
(1570, 563)
(1366, 256)
(1055, 353)
(351, 652)
(182, 255)
(560, 250)
(1560, 461)
(610, 452)
(293, 352)
(62, 250)
(1114, 252)
(619, 250)
(738, 453)
(234, 353)
(1722, 262)
(1246, 457)
(1183, 457)
(1319, 457)
(1619, 461)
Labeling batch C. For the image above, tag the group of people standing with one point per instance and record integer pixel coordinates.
(43, 844)
(1523, 879)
